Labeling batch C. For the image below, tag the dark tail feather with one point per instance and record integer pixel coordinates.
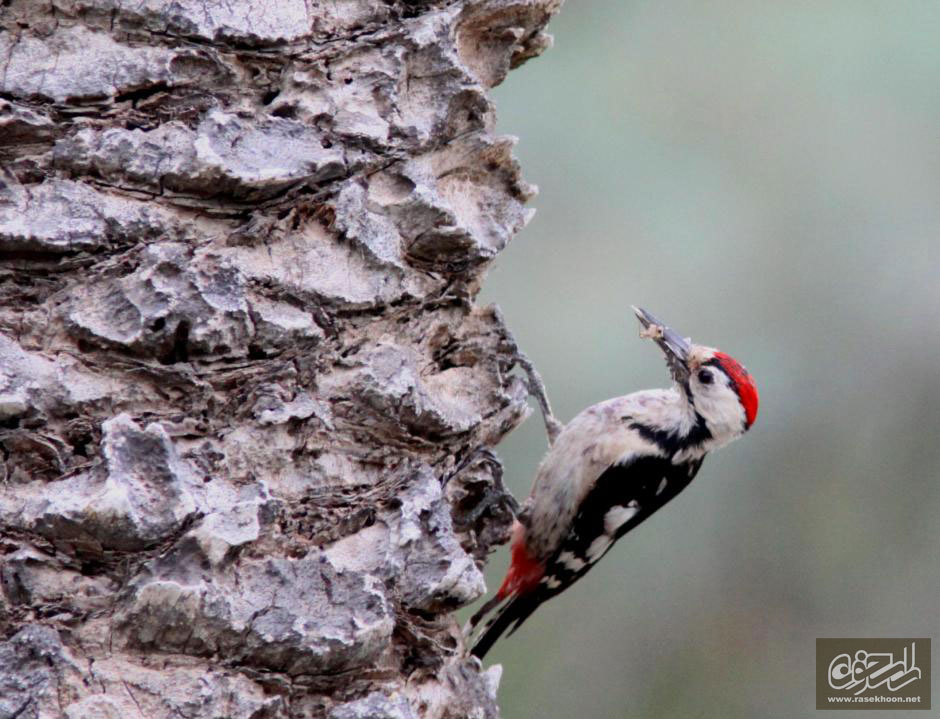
(517, 610)
(484, 610)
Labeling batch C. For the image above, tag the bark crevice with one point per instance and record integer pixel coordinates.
(247, 398)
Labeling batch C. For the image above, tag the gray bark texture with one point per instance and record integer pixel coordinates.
(247, 398)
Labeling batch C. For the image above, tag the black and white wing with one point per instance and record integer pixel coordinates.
(622, 497)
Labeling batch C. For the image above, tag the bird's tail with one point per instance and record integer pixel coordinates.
(515, 610)
(514, 594)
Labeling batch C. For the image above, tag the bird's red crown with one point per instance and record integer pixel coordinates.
(743, 383)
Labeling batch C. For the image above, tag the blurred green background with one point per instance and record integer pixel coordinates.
(766, 178)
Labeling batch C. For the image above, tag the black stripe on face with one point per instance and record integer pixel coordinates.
(631, 493)
(714, 363)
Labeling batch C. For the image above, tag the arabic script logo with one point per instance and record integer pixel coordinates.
(873, 674)
(871, 671)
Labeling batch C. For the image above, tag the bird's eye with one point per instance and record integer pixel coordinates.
(705, 377)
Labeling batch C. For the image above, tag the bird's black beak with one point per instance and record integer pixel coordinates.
(674, 346)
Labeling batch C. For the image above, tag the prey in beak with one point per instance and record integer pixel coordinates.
(676, 348)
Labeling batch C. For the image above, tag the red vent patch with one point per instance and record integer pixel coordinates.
(524, 571)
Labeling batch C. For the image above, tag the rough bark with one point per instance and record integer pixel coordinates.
(247, 398)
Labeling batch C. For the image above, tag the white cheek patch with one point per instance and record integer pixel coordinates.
(722, 412)
(616, 517)
(598, 547)
(575, 564)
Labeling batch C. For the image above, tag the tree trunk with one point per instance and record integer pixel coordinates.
(246, 396)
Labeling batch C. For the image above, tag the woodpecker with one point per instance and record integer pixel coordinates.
(614, 465)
